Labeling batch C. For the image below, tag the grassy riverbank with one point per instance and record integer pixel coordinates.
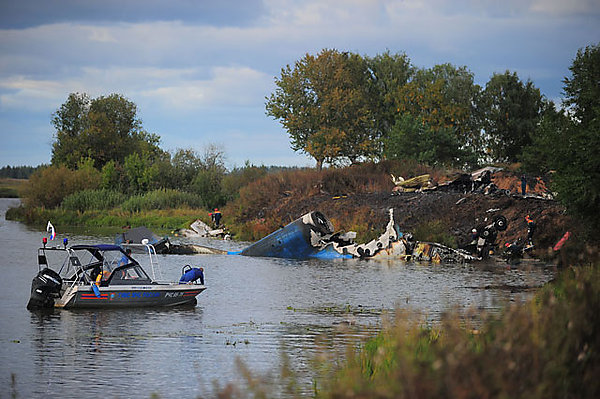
(154, 218)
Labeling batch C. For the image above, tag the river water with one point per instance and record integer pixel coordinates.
(255, 310)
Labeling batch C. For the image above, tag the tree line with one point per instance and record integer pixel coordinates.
(340, 108)
(18, 172)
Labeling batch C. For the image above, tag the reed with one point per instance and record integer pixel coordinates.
(93, 200)
(162, 199)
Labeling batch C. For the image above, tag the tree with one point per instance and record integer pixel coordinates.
(567, 141)
(412, 138)
(444, 97)
(511, 111)
(577, 177)
(141, 172)
(582, 90)
(389, 73)
(104, 129)
(542, 154)
(325, 105)
(185, 165)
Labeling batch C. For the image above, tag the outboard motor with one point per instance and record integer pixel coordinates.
(191, 274)
(44, 288)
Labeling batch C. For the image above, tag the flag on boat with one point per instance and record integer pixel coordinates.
(50, 229)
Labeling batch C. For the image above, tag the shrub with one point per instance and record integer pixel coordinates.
(435, 231)
(47, 187)
(240, 177)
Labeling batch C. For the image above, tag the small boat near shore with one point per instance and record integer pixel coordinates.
(133, 237)
(106, 276)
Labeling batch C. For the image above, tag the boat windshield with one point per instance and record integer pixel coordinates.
(130, 274)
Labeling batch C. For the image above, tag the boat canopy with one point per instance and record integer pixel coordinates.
(98, 247)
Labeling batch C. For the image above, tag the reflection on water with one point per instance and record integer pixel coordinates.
(254, 309)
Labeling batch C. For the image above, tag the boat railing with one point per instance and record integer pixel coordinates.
(152, 255)
(78, 269)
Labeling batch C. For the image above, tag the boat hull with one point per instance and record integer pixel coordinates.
(156, 295)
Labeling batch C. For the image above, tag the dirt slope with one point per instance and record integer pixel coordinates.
(458, 212)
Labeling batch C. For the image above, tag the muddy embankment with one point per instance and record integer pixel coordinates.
(457, 213)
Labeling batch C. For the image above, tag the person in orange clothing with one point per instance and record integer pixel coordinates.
(216, 217)
(530, 230)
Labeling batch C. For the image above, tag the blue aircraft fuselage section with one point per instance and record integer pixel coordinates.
(294, 241)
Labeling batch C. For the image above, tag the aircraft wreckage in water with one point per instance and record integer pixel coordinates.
(312, 236)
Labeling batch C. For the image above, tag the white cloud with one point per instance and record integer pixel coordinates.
(565, 8)
(227, 86)
(173, 89)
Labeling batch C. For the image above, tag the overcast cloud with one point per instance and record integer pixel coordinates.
(199, 71)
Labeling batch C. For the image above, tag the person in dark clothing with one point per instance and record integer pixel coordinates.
(530, 230)
(523, 184)
(216, 217)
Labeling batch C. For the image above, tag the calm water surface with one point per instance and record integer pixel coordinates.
(254, 310)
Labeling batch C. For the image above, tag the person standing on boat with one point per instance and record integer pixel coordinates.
(216, 217)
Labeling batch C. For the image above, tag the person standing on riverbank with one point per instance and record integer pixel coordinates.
(530, 230)
(216, 217)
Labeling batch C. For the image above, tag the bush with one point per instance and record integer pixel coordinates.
(240, 177)
(48, 187)
(93, 200)
(435, 231)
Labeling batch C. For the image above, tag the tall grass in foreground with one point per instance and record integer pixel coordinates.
(548, 348)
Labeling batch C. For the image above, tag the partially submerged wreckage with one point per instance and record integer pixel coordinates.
(313, 236)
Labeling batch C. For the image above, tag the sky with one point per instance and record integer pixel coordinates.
(200, 71)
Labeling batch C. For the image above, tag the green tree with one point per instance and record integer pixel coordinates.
(208, 181)
(104, 129)
(567, 140)
(542, 154)
(325, 104)
(511, 111)
(186, 164)
(444, 97)
(576, 152)
(389, 74)
(141, 172)
(582, 89)
(412, 138)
